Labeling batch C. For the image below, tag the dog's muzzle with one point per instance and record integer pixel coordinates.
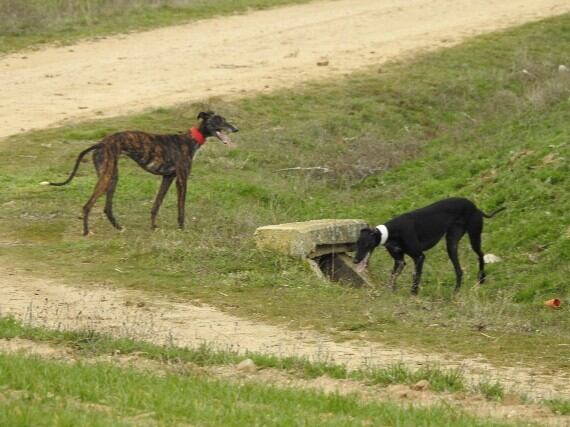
(363, 264)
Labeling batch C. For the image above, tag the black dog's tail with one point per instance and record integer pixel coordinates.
(74, 171)
(495, 212)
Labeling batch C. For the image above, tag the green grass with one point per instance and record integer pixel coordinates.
(559, 406)
(38, 392)
(462, 121)
(491, 390)
(25, 24)
(439, 380)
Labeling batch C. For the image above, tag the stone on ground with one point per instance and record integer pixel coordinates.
(247, 366)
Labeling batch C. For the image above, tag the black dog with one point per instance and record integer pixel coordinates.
(417, 231)
(167, 155)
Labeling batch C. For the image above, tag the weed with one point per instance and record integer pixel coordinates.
(491, 390)
(439, 379)
(559, 406)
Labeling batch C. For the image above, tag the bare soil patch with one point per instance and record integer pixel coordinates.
(238, 55)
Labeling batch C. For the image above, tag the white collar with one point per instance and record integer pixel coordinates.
(384, 233)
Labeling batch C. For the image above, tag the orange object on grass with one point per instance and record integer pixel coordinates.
(553, 303)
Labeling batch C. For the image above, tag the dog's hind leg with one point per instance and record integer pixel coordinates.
(99, 161)
(453, 237)
(100, 188)
(105, 169)
(474, 229)
(109, 199)
(164, 186)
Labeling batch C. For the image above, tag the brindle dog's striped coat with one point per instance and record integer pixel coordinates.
(167, 155)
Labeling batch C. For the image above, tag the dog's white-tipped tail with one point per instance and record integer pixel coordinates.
(44, 183)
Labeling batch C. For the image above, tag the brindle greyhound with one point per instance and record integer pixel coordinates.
(417, 231)
(167, 155)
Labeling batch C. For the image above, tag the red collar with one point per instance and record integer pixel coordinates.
(197, 135)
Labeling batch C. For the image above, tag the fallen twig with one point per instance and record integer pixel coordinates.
(488, 336)
(299, 168)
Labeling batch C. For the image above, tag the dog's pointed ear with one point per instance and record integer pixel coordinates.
(203, 115)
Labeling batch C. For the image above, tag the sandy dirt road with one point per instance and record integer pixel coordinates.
(238, 55)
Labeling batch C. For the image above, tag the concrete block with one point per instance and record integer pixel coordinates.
(310, 239)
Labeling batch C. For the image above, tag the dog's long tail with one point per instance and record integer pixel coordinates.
(75, 168)
(495, 212)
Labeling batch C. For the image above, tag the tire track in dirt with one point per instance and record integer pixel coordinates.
(139, 315)
(238, 55)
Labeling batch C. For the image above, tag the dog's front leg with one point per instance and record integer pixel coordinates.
(399, 265)
(419, 264)
(164, 186)
(181, 183)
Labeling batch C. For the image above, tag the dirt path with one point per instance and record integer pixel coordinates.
(238, 55)
(511, 408)
(139, 315)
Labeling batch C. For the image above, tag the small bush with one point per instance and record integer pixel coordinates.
(440, 380)
(559, 406)
(492, 391)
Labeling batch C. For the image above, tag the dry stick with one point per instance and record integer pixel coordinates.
(299, 168)
(488, 336)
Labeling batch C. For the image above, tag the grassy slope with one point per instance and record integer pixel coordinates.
(488, 119)
(35, 22)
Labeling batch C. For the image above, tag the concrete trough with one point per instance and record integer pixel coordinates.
(322, 243)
